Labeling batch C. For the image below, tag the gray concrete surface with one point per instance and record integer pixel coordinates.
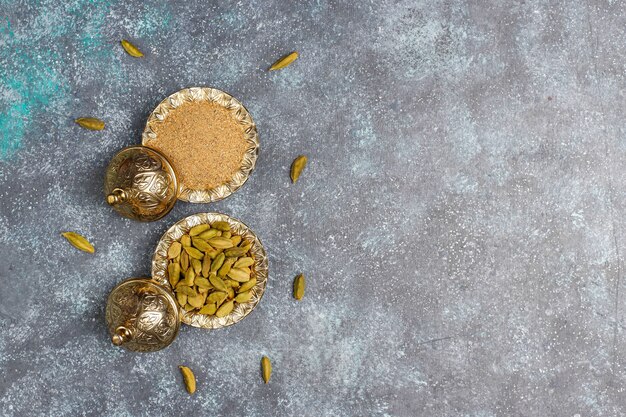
(461, 221)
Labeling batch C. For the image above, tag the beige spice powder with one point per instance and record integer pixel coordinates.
(204, 141)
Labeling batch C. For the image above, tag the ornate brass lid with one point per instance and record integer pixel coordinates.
(142, 315)
(141, 184)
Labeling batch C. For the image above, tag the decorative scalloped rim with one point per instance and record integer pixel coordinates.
(159, 267)
(243, 117)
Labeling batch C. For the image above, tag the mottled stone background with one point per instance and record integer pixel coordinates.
(461, 221)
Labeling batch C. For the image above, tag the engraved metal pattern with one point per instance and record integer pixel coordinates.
(259, 270)
(159, 114)
(148, 310)
(147, 180)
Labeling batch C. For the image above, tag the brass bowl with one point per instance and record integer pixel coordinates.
(260, 269)
(241, 114)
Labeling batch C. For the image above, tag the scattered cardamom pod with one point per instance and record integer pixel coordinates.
(225, 309)
(189, 378)
(174, 250)
(298, 287)
(284, 61)
(297, 166)
(196, 230)
(223, 226)
(131, 49)
(90, 123)
(193, 252)
(266, 367)
(78, 241)
(247, 286)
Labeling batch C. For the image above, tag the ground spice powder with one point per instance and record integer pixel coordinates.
(204, 142)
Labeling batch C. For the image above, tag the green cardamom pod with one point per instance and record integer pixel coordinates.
(196, 230)
(197, 301)
(225, 309)
(206, 266)
(243, 297)
(217, 282)
(90, 123)
(266, 368)
(217, 262)
(232, 283)
(189, 378)
(174, 250)
(247, 286)
(297, 166)
(240, 275)
(220, 242)
(208, 234)
(235, 239)
(208, 309)
(184, 262)
(190, 276)
(185, 240)
(298, 287)
(197, 266)
(181, 298)
(202, 283)
(223, 226)
(131, 49)
(243, 262)
(190, 292)
(173, 273)
(285, 61)
(193, 252)
(217, 297)
(235, 252)
(225, 269)
(78, 241)
(201, 244)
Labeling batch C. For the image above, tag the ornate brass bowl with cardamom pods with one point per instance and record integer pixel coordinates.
(142, 313)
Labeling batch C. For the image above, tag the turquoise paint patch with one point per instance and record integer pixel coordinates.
(27, 84)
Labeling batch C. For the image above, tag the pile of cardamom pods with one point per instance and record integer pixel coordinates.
(209, 269)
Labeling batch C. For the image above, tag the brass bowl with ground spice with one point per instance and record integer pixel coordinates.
(209, 137)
